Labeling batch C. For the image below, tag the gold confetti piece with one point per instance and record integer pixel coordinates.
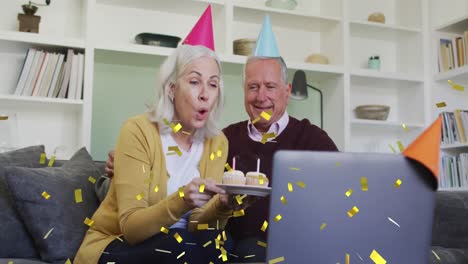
(78, 196)
(301, 184)
(219, 153)
(164, 230)
(393, 221)
(212, 156)
(276, 260)
(186, 133)
(349, 192)
(45, 195)
(294, 169)
(375, 256)
(181, 192)
(262, 244)
(392, 148)
(207, 244)
(255, 120)
(178, 237)
(233, 255)
(224, 235)
(228, 167)
(405, 127)
(3, 117)
(400, 146)
(265, 115)
(166, 121)
(88, 222)
(398, 183)
(435, 254)
(177, 127)
(42, 159)
(156, 188)
(347, 258)
(338, 164)
(249, 256)
(139, 196)
(364, 186)
(48, 233)
(191, 244)
(175, 149)
(201, 188)
(264, 226)
(239, 199)
(238, 213)
(66, 262)
(261, 180)
(202, 226)
(217, 243)
(92, 179)
(290, 187)
(163, 251)
(323, 226)
(267, 136)
(181, 254)
(278, 218)
(284, 200)
(441, 104)
(456, 86)
(9, 262)
(353, 211)
(51, 161)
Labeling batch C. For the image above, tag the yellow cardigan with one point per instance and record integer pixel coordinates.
(136, 205)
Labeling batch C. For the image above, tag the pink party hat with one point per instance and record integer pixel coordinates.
(202, 32)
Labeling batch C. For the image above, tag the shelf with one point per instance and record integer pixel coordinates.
(21, 101)
(135, 48)
(384, 27)
(386, 75)
(454, 146)
(387, 124)
(41, 39)
(260, 6)
(454, 189)
(457, 25)
(458, 74)
(188, 7)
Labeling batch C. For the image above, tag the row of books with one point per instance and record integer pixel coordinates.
(455, 127)
(453, 52)
(454, 171)
(50, 74)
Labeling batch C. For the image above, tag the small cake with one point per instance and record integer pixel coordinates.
(234, 177)
(256, 178)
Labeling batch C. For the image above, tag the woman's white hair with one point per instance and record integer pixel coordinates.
(169, 73)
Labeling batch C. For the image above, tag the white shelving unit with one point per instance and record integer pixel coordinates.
(338, 29)
(450, 18)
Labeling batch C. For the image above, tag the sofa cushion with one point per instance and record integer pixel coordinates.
(14, 239)
(60, 212)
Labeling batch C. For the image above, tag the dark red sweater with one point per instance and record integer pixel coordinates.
(298, 135)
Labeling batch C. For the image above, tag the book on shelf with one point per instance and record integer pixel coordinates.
(50, 74)
(454, 173)
(453, 52)
(455, 127)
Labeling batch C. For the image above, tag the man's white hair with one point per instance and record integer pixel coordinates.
(169, 73)
(281, 62)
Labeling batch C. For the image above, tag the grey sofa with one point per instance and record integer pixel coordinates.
(450, 228)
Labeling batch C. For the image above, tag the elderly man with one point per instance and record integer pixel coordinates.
(266, 88)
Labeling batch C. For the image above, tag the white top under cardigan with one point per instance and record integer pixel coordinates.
(181, 169)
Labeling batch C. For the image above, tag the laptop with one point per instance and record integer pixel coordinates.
(325, 216)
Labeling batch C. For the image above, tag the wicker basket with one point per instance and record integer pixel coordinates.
(377, 17)
(244, 46)
(373, 112)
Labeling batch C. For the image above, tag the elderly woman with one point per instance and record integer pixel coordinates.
(165, 173)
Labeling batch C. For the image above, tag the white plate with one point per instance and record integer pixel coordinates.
(246, 189)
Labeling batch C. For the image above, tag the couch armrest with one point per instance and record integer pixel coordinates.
(450, 227)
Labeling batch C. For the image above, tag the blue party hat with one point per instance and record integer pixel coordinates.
(266, 42)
